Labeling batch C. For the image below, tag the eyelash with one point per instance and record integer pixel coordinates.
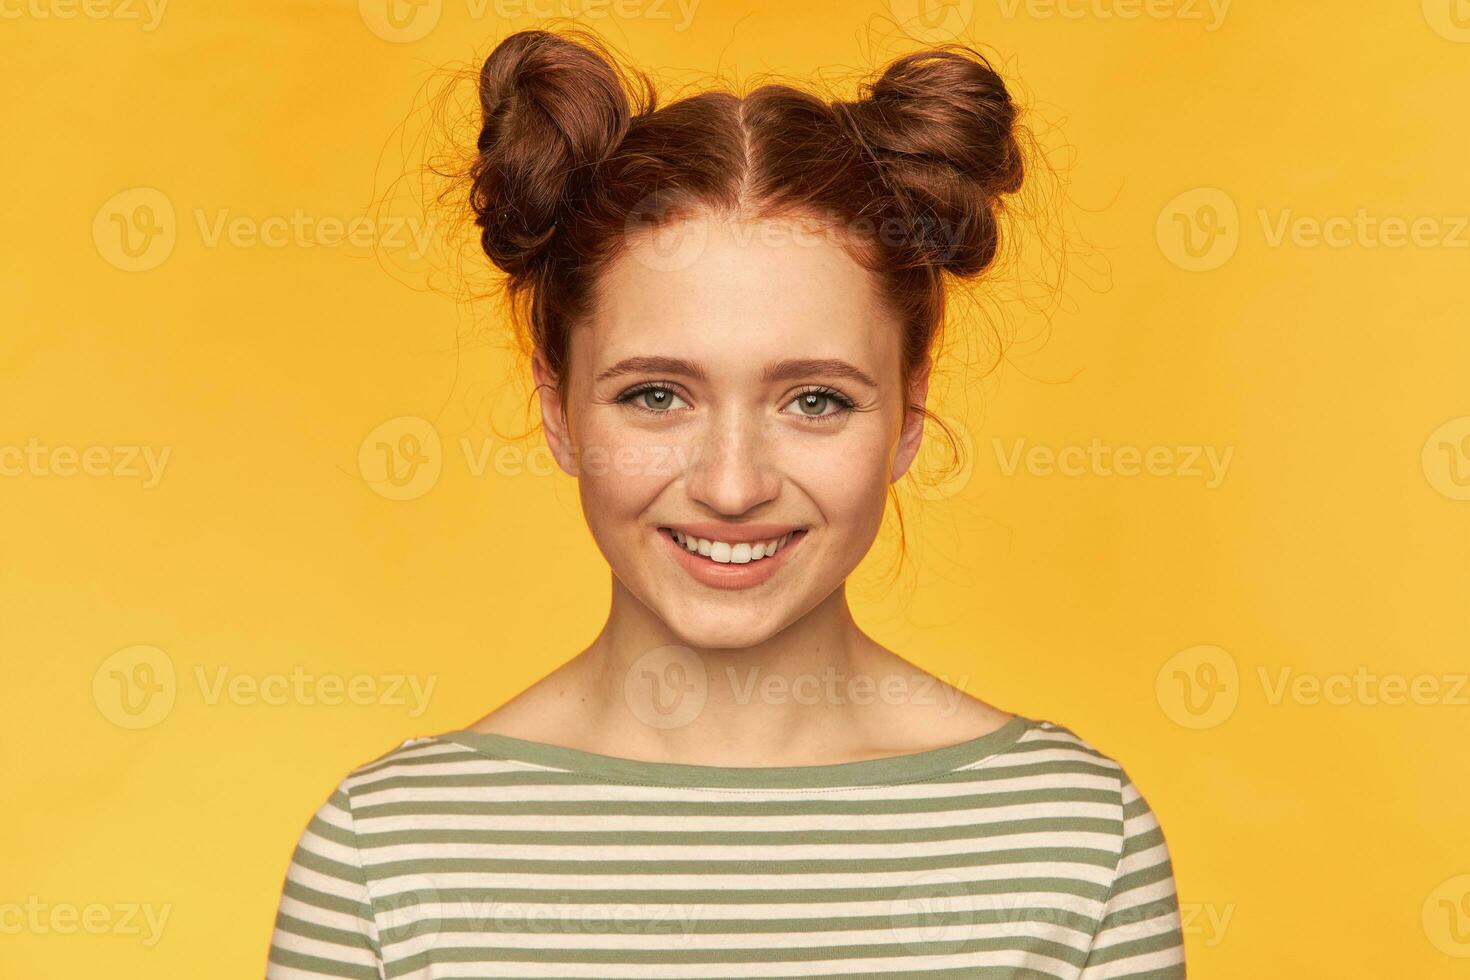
(844, 404)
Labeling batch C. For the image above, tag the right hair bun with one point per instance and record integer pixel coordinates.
(551, 109)
(941, 127)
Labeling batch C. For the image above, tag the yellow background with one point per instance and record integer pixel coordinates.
(1309, 838)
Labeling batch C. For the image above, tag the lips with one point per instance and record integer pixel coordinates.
(731, 550)
(723, 563)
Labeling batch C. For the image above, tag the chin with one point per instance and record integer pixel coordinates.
(714, 628)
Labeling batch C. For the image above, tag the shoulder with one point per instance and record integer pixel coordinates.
(416, 761)
(1104, 777)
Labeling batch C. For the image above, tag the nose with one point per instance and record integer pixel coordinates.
(734, 469)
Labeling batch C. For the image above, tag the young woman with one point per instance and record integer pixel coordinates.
(732, 304)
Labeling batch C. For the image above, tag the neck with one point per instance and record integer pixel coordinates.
(645, 690)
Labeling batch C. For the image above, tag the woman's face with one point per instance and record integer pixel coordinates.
(743, 389)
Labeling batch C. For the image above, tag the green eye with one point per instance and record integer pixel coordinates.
(652, 398)
(814, 402)
(656, 398)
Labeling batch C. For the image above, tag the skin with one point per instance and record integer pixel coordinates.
(734, 448)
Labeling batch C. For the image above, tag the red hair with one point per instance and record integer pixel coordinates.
(575, 154)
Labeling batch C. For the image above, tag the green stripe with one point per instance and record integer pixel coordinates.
(1008, 768)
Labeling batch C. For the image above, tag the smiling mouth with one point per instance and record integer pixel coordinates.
(732, 552)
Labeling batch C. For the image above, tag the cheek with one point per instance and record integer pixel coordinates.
(846, 476)
(621, 468)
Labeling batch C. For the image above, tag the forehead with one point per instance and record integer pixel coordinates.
(714, 288)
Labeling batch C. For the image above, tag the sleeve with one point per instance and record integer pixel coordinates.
(1140, 935)
(324, 926)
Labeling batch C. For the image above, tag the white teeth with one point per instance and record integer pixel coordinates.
(728, 553)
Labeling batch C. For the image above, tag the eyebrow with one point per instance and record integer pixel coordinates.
(786, 370)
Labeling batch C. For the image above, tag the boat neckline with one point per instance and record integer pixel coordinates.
(909, 767)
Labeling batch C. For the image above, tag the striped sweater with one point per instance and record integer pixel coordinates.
(1024, 852)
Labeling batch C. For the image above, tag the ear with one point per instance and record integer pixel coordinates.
(553, 413)
(912, 432)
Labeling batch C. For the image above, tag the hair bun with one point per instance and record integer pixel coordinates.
(551, 109)
(941, 127)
